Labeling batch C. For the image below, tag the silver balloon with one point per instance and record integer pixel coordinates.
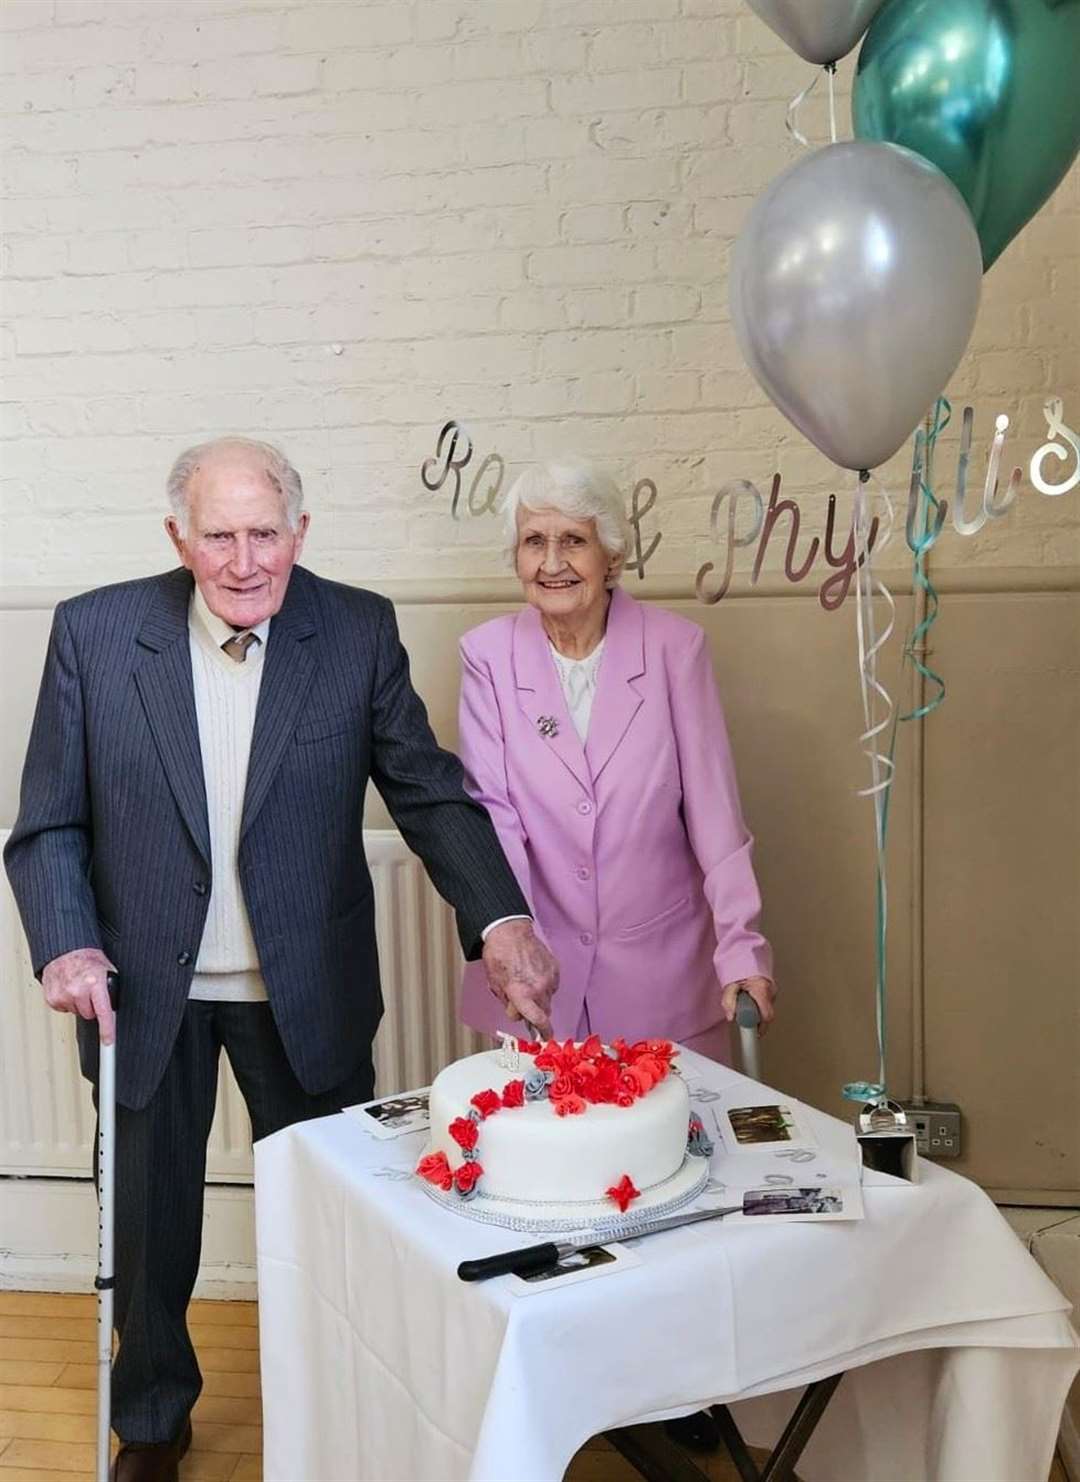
(821, 31)
(854, 288)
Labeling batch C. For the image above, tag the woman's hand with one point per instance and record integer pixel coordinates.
(761, 990)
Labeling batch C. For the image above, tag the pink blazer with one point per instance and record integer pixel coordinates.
(631, 850)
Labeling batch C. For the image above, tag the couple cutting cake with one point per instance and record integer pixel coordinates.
(191, 818)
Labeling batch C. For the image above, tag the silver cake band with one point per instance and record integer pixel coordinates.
(610, 1227)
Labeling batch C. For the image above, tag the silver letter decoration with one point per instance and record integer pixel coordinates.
(636, 516)
(454, 451)
(1052, 411)
(433, 475)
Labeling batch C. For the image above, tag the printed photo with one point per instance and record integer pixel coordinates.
(753, 1125)
(578, 1260)
(583, 1265)
(393, 1116)
(793, 1201)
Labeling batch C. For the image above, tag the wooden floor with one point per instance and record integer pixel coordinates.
(47, 1397)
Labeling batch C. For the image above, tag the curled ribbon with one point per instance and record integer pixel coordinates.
(882, 765)
(791, 117)
(922, 533)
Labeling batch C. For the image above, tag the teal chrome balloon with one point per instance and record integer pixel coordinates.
(989, 90)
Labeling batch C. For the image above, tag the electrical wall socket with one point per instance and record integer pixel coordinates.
(936, 1125)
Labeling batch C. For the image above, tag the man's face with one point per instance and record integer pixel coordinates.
(238, 544)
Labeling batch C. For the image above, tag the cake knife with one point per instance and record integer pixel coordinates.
(529, 1259)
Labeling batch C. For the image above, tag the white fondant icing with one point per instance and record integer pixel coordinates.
(554, 1169)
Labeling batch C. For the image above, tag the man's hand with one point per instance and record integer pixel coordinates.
(75, 984)
(761, 990)
(522, 973)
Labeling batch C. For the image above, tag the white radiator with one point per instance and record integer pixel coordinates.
(46, 1118)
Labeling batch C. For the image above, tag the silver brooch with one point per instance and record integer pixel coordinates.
(547, 725)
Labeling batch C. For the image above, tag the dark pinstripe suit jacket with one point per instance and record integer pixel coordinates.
(111, 847)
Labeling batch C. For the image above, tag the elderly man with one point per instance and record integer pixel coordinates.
(191, 815)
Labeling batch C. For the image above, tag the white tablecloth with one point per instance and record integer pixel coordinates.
(378, 1363)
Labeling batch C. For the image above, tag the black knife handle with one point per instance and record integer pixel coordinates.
(517, 1262)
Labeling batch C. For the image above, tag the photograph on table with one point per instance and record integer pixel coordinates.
(579, 1265)
(393, 1116)
(758, 1128)
(772, 1202)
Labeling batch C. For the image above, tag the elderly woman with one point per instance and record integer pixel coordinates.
(591, 730)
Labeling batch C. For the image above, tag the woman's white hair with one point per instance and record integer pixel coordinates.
(280, 472)
(576, 489)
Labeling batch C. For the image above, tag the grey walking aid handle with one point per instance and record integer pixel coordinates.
(748, 1017)
(106, 1274)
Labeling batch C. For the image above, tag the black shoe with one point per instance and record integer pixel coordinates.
(695, 1432)
(147, 1462)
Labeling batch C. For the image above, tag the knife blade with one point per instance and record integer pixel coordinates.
(528, 1259)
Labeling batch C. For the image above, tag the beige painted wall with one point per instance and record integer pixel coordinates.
(337, 225)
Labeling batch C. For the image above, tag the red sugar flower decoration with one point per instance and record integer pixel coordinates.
(568, 1106)
(436, 1169)
(562, 1085)
(528, 1046)
(623, 1193)
(514, 1093)
(467, 1176)
(464, 1131)
(487, 1103)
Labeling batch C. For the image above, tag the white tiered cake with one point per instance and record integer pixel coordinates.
(564, 1136)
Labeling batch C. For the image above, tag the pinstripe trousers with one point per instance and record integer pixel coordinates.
(160, 1173)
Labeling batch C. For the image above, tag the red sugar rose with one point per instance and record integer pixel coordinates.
(436, 1170)
(623, 1193)
(487, 1103)
(467, 1176)
(514, 1093)
(528, 1046)
(561, 1086)
(464, 1132)
(568, 1106)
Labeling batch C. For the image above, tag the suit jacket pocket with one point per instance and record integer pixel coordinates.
(324, 729)
(660, 919)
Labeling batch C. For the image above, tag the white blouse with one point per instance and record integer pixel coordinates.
(578, 680)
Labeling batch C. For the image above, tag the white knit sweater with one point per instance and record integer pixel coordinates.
(226, 695)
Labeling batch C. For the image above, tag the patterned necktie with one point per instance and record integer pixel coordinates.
(237, 646)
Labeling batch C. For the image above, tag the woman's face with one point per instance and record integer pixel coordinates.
(561, 564)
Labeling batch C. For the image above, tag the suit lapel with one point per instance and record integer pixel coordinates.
(289, 666)
(540, 696)
(616, 701)
(163, 679)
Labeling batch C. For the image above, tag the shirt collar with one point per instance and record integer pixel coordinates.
(219, 630)
(589, 664)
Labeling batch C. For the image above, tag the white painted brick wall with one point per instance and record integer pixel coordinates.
(338, 224)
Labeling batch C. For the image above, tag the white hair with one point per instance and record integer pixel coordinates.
(279, 471)
(576, 489)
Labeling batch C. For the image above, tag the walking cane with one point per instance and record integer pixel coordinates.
(748, 1017)
(106, 1149)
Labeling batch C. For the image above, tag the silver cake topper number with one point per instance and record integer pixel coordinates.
(509, 1054)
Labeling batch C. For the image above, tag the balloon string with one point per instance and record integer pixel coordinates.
(882, 763)
(831, 70)
(921, 537)
(922, 534)
(791, 118)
